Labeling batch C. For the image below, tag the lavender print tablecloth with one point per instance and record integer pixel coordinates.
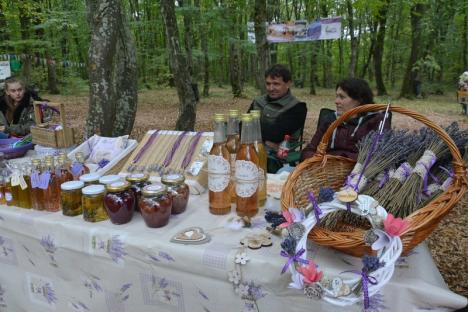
(49, 262)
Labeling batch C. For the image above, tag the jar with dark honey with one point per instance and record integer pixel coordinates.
(179, 190)
(119, 202)
(70, 198)
(155, 205)
(138, 182)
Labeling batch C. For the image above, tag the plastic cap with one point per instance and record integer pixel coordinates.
(90, 177)
(154, 190)
(118, 186)
(233, 113)
(93, 189)
(246, 117)
(108, 179)
(72, 185)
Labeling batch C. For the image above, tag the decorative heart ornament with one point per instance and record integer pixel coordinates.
(191, 236)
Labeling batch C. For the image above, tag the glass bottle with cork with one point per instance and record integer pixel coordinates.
(232, 144)
(37, 194)
(219, 170)
(51, 189)
(247, 171)
(20, 187)
(262, 158)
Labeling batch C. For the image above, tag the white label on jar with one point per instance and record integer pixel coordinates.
(246, 178)
(218, 173)
(22, 183)
(206, 147)
(8, 196)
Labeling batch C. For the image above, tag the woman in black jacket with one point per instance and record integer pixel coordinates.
(16, 109)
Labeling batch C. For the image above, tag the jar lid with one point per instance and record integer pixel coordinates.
(72, 185)
(173, 178)
(93, 189)
(246, 118)
(154, 190)
(137, 177)
(108, 179)
(118, 186)
(90, 177)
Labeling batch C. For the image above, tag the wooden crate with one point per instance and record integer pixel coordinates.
(44, 135)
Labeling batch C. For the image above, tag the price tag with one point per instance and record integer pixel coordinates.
(22, 183)
(15, 180)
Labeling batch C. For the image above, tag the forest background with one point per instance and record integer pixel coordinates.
(151, 53)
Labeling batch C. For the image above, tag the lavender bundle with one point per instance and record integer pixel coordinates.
(409, 197)
(377, 152)
(442, 179)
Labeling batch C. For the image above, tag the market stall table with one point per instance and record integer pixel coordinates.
(49, 262)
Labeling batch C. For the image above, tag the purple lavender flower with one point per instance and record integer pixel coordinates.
(255, 291)
(125, 287)
(2, 241)
(48, 243)
(117, 249)
(154, 258)
(163, 283)
(289, 245)
(203, 295)
(371, 263)
(96, 286)
(125, 298)
(206, 309)
(274, 218)
(83, 305)
(325, 195)
(166, 256)
(376, 303)
(249, 306)
(49, 293)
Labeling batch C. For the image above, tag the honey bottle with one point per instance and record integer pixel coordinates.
(64, 173)
(2, 190)
(20, 188)
(232, 144)
(37, 195)
(9, 191)
(262, 158)
(51, 190)
(219, 170)
(247, 171)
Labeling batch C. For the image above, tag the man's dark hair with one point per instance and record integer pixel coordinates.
(279, 70)
(357, 89)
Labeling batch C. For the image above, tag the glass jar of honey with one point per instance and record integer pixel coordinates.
(155, 205)
(108, 179)
(90, 178)
(93, 203)
(119, 202)
(138, 182)
(70, 198)
(179, 190)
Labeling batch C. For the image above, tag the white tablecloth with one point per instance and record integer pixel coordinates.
(49, 262)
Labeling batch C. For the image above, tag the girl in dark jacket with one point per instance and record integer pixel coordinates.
(16, 109)
(350, 93)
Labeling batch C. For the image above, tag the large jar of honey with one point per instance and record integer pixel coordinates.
(93, 203)
(179, 190)
(70, 198)
(155, 205)
(119, 202)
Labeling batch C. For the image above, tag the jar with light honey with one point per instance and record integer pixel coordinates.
(93, 203)
(70, 198)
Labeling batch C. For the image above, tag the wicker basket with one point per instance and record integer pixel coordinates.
(324, 170)
(45, 136)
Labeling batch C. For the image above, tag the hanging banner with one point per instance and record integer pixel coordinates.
(323, 29)
(5, 71)
(42, 61)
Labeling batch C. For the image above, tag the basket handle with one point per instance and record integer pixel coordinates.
(458, 165)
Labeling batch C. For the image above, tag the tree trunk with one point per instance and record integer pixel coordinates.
(371, 51)
(465, 40)
(263, 59)
(25, 22)
(112, 70)
(203, 29)
(182, 79)
(188, 35)
(51, 74)
(353, 41)
(379, 47)
(407, 88)
(234, 67)
(313, 66)
(3, 23)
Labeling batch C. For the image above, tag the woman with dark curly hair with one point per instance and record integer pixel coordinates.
(350, 93)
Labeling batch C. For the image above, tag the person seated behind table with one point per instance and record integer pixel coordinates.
(463, 86)
(350, 93)
(281, 112)
(16, 109)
